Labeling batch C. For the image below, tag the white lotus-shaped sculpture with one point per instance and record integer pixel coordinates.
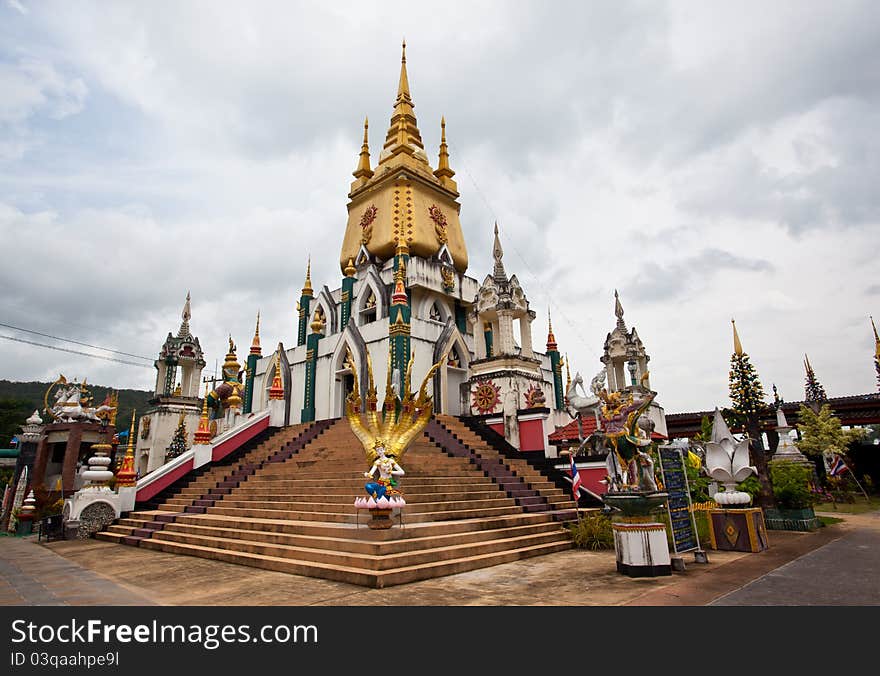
(727, 461)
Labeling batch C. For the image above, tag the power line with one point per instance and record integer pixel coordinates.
(84, 354)
(75, 342)
(575, 329)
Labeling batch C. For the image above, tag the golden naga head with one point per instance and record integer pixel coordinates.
(403, 416)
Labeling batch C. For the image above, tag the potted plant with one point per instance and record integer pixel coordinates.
(794, 497)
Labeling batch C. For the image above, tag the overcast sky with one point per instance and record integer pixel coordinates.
(709, 160)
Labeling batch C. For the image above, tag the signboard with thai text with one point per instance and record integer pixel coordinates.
(684, 530)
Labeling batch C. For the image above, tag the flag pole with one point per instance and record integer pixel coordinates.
(574, 496)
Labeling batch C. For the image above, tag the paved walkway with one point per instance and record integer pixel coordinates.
(32, 575)
(844, 569)
(101, 573)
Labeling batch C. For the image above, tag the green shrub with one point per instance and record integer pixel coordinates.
(791, 485)
(751, 486)
(592, 532)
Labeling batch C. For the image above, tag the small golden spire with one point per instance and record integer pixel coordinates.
(203, 433)
(307, 287)
(363, 170)
(277, 389)
(255, 345)
(403, 83)
(399, 296)
(350, 269)
(551, 339)
(876, 340)
(567, 373)
(737, 346)
(444, 172)
(127, 475)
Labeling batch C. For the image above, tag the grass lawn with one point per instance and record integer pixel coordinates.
(857, 507)
(829, 520)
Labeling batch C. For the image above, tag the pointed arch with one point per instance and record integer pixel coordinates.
(351, 339)
(331, 310)
(368, 289)
(450, 377)
(286, 380)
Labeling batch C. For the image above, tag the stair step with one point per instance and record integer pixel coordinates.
(376, 579)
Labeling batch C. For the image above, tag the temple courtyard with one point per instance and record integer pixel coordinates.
(833, 566)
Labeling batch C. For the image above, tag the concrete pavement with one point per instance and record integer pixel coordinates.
(801, 568)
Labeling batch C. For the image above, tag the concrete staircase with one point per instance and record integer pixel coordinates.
(286, 505)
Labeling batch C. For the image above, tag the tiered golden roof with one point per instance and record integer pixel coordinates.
(403, 205)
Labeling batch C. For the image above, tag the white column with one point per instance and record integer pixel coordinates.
(504, 343)
(525, 335)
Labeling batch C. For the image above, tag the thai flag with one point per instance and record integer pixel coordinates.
(838, 467)
(575, 479)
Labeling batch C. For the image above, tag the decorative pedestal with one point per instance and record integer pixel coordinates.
(380, 519)
(793, 519)
(642, 549)
(738, 530)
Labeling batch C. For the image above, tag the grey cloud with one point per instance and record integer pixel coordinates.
(655, 282)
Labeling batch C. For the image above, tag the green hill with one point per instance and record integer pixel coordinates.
(19, 400)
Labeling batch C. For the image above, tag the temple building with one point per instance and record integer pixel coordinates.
(626, 365)
(176, 396)
(404, 286)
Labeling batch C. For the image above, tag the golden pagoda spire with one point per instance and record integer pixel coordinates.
(203, 433)
(444, 172)
(255, 345)
(277, 389)
(551, 339)
(363, 170)
(403, 133)
(567, 374)
(127, 475)
(876, 340)
(403, 84)
(737, 346)
(399, 296)
(307, 287)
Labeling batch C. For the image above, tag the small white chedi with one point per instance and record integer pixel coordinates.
(727, 461)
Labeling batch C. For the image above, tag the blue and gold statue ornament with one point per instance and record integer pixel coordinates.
(386, 435)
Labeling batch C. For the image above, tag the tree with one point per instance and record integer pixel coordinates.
(178, 441)
(747, 395)
(813, 390)
(821, 432)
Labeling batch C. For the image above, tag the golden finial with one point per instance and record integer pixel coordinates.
(551, 339)
(363, 170)
(444, 172)
(350, 269)
(307, 287)
(255, 344)
(318, 321)
(567, 373)
(203, 433)
(399, 296)
(737, 346)
(127, 475)
(277, 389)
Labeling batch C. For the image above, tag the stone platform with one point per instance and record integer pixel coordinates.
(468, 507)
